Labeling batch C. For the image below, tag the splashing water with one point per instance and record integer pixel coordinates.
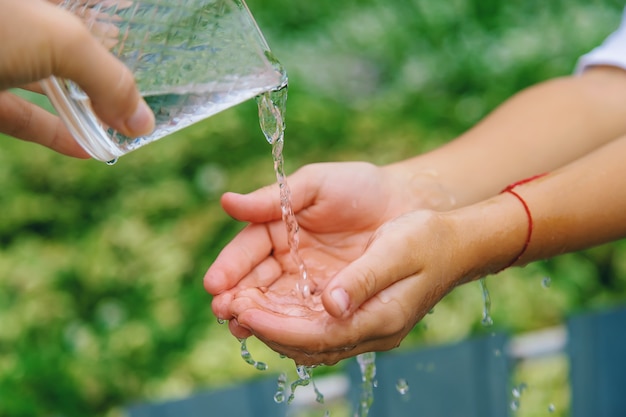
(402, 386)
(517, 395)
(281, 383)
(245, 354)
(546, 282)
(272, 108)
(367, 365)
(305, 377)
(515, 404)
(487, 320)
(551, 408)
(518, 390)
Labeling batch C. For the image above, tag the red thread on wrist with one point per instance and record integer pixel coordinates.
(529, 233)
(524, 181)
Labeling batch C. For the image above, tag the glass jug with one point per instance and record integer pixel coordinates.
(190, 58)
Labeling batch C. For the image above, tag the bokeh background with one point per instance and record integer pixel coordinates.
(101, 297)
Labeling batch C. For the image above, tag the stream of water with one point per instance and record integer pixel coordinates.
(272, 108)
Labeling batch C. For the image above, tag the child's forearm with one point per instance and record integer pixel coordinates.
(580, 205)
(540, 129)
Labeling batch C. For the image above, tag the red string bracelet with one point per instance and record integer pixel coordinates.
(529, 233)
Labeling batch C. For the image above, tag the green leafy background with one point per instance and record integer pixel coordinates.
(101, 297)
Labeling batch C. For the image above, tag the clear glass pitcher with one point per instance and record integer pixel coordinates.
(191, 59)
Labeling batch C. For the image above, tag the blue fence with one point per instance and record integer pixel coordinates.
(467, 379)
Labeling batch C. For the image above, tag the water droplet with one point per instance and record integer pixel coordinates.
(247, 357)
(402, 386)
(112, 161)
(486, 321)
(220, 321)
(303, 372)
(546, 282)
(319, 397)
(517, 394)
(497, 353)
(367, 365)
(551, 408)
(281, 383)
(306, 291)
(518, 390)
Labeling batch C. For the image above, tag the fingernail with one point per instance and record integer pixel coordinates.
(142, 121)
(342, 301)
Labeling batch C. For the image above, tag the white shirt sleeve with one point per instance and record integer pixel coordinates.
(611, 52)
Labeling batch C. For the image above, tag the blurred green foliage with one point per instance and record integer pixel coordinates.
(101, 298)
